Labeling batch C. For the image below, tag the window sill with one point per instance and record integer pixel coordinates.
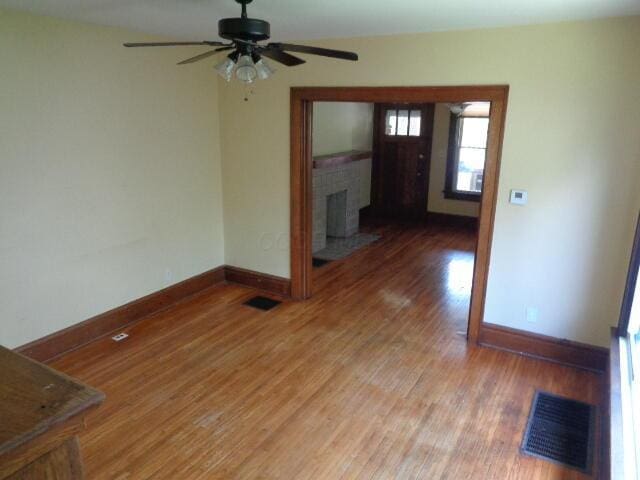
(467, 197)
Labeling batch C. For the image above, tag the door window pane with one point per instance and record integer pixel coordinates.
(403, 122)
(415, 119)
(390, 122)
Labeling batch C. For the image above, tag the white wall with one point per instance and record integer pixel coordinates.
(342, 126)
(572, 85)
(109, 172)
(438, 170)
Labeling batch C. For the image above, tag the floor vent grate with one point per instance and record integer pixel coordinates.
(262, 303)
(319, 262)
(561, 430)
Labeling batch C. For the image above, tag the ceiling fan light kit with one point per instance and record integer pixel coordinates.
(265, 70)
(225, 68)
(458, 108)
(246, 60)
(245, 69)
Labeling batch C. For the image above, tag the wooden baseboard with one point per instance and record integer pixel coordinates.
(553, 349)
(448, 219)
(62, 341)
(70, 338)
(262, 281)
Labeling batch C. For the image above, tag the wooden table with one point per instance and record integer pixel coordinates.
(41, 412)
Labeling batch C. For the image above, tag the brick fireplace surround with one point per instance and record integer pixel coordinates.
(336, 195)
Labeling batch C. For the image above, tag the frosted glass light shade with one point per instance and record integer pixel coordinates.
(225, 68)
(264, 69)
(246, 69)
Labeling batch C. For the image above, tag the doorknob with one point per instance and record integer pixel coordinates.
(421, 156)
(419, 174)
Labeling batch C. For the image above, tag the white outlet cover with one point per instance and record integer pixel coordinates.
(531, 314)
(119, 337)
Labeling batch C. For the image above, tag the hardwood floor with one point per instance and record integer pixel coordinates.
(371, 378)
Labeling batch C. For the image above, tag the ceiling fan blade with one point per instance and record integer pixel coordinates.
(324, 52)
(202, 56)
(281, 57)
(174, 44)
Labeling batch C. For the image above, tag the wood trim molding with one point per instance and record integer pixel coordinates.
(63, 341)
(489, 199)
(449, 219)
(460, 196)
(261, 281)
(553, 349)
(301, 104)
(340, 158)
(447, 94)
(70, 338)
(301, 195)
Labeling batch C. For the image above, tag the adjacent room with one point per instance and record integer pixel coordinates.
(389, 177)
(317, 240)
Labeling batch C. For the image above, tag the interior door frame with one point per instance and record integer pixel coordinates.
(301, 105)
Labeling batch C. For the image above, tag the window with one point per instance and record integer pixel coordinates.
(403, 123)
(629, 331)
(467, 151)
(630, 312)
(634, 377)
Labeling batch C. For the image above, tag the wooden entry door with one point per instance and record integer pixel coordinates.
(401, 159)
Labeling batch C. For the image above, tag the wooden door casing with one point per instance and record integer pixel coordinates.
(301, 104)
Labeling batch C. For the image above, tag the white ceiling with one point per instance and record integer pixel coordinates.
(311, 19)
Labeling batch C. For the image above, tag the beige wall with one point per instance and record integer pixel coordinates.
(110, 175)
(572, 84)
(109, 172)
(437, 173)
(342, 126)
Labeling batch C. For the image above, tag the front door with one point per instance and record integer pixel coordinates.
(401, 159)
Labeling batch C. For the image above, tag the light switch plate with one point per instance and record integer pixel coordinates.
(518, 197)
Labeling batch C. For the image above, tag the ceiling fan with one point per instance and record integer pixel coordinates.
(245, 58)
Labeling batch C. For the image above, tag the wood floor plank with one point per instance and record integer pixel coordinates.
(370, 378)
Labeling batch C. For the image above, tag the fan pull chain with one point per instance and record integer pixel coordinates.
(247, 91)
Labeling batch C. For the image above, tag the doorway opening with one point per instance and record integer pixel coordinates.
(340, 193)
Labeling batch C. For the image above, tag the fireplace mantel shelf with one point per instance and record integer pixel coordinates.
(340, 158)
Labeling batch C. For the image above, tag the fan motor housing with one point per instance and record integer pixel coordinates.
(250, 29)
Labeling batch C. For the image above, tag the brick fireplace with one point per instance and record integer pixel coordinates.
(337, 196)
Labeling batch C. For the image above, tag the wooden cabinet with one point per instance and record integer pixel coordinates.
(41, 412)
